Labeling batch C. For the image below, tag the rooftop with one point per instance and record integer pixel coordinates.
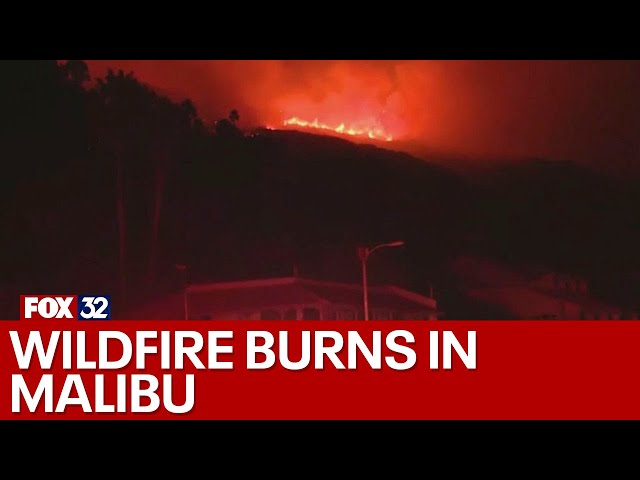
(299, 291)
(223, 297)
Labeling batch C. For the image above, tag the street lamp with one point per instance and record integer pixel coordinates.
(363, 253)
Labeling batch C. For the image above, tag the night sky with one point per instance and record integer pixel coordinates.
(584, 111)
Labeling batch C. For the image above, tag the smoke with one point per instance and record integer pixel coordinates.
(586, 111)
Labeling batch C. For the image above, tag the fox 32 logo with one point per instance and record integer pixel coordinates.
(72, 307)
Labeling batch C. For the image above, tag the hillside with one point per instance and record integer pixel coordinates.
(293, 198)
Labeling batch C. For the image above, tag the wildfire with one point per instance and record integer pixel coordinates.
(374, 133)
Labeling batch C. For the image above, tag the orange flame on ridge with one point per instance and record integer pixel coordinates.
(374, 133)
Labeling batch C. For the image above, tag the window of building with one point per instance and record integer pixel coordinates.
(290, 314)
(331, 315)
(270, 315)
(310, 313)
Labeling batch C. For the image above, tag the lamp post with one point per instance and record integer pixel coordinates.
(363, 254)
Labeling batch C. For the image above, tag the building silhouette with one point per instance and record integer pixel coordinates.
(287, 298)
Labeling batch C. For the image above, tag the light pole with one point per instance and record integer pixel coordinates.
(364, 253)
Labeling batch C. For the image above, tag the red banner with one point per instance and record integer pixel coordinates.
(65, 369)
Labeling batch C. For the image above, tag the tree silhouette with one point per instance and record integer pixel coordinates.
(226, 128)
(76, 71)
(171, 129)
(114, 92)
(145, 135)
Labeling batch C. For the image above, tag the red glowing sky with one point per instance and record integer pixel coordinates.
(576, 110)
